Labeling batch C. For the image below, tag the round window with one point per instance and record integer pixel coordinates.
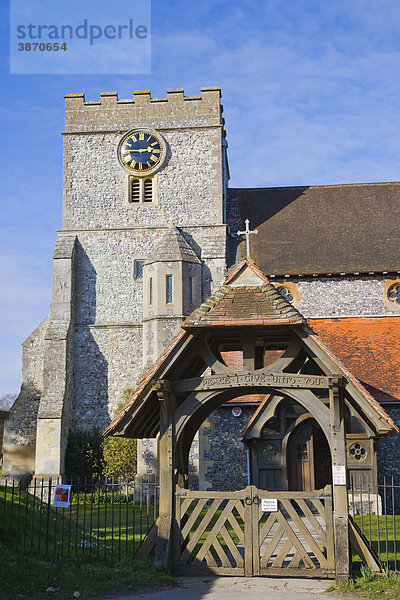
(391, 294)
(290, 292)
(394, 294)
(358, 452)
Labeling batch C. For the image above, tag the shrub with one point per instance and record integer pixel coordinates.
(84, 455)
(119, 454)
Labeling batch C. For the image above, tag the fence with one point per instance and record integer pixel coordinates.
(106, 520)
(376, 511)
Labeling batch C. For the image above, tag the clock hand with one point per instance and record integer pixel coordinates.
(135, 150)
(148, 149)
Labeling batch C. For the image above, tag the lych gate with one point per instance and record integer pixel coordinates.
(299, 439)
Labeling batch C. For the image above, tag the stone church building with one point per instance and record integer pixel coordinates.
(152, 255)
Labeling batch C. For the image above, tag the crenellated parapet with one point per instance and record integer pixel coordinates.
(113, 114)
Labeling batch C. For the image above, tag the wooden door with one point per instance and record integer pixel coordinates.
(322, 462)
(300, 458)
(308, 458)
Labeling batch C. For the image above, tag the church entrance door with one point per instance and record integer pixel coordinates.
(254, 532)
(308, 458)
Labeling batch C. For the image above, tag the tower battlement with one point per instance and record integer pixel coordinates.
(189, 111)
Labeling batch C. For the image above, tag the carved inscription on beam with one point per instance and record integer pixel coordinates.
(252, 379)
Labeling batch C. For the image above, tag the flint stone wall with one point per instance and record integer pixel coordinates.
(388, 454)
(227, 470)
(340, 296)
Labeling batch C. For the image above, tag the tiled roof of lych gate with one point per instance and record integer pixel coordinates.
(369, 348)
(172, 247)
(244, 304)
(321, 229)
(366, 349)
(147, 378)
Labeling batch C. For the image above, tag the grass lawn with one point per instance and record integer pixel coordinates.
(112, 529)
(35, 579)
(374, 587)
(88, 531)
(378, 529)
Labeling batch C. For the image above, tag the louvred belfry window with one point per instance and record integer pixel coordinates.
(142, 191)
(135, 190)
(148, 190)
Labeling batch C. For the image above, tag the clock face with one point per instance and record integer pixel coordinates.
(140, 151)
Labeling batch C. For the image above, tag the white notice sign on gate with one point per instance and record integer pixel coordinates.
(269, 504)
(339, 474)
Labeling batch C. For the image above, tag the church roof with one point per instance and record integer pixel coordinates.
(245, 298)
(172, 247)
(321, 229)
(369, 348)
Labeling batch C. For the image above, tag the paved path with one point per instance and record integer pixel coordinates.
(240, 588)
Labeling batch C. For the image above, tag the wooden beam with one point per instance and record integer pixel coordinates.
(340, 499)
(361, 546)
(261, 378)
(249, 348)
(148, 544)
(166, 463)
(209, 357)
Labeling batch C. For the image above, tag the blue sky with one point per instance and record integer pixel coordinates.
(311, 92)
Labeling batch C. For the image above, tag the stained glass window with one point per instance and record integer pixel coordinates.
(286, 294)
(394, 294)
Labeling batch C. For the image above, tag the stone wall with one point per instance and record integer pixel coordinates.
(19, 440)
(189, 183)
(356, 296)
(107, 360)
(388, 453)
(3, 417)
(227, 466)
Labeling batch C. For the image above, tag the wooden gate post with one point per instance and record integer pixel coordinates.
(339, 466)
(166, 460)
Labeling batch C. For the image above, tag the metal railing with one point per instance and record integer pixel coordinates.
(376, 511)
(106, 520)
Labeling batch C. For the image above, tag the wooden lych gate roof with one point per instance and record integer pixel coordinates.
(248, 305)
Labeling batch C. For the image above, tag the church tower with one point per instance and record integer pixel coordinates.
(133, 170)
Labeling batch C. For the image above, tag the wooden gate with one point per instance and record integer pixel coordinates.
(254, 532)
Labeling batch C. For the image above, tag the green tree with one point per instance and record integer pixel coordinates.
(119, 454)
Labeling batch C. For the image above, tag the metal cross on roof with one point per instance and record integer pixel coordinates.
(247, 233)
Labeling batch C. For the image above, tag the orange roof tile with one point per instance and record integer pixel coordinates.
(369, 347)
